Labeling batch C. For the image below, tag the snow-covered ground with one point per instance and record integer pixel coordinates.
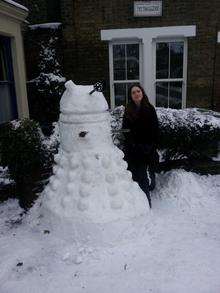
(4, 176)
(179, 250)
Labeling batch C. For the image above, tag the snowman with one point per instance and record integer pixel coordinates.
(91, 187)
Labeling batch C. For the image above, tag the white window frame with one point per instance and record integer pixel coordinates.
(184, 78)
(146, 37)
(111, 67)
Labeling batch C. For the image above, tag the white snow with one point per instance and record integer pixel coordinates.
(76, 99)
(49, 77)
(4, 176)
(16, 124)
(178, 250)
(49, 25)
(217, 158)
(51, 142)
(16, 4)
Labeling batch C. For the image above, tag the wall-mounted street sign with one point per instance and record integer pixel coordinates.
(147, 8)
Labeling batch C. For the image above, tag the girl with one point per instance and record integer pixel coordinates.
(140, 119)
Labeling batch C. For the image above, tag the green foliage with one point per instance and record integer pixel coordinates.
(21, 148)
(22, 151)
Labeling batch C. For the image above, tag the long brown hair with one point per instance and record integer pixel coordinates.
(130, 109)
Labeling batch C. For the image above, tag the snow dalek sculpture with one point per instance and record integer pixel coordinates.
(91, 187)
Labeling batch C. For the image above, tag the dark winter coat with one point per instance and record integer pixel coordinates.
(142, 138)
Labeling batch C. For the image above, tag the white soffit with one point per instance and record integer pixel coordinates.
(146, 33)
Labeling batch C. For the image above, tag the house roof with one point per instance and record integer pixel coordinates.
(13, 10)
(16, 4)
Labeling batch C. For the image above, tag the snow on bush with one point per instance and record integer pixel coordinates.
(193, 118)
(191, 132)
(50, 77)
(51, 142)
(4, 176)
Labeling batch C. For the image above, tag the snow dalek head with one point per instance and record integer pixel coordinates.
(84, 116)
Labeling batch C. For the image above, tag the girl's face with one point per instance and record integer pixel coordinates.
(136, 95)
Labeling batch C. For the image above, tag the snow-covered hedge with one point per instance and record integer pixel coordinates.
(192, 133)
(189, 133)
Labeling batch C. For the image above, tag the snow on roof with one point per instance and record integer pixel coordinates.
(50, 25)
(16, 4)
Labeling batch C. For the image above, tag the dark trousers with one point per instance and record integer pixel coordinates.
(139, 174)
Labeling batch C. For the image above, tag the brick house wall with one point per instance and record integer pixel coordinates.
(86, 57)
(83, 23)
(37, 10)
(42, 11)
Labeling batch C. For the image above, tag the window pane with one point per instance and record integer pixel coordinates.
(162, 94)
(3, 73)
(128, 86)
(120, 94)
(6, 104)
(162, 60)
(119, 62)
(176, 59)
(175, 97)
(132, 51)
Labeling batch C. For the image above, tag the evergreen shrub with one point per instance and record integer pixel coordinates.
(23, 152)
(45, 79)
